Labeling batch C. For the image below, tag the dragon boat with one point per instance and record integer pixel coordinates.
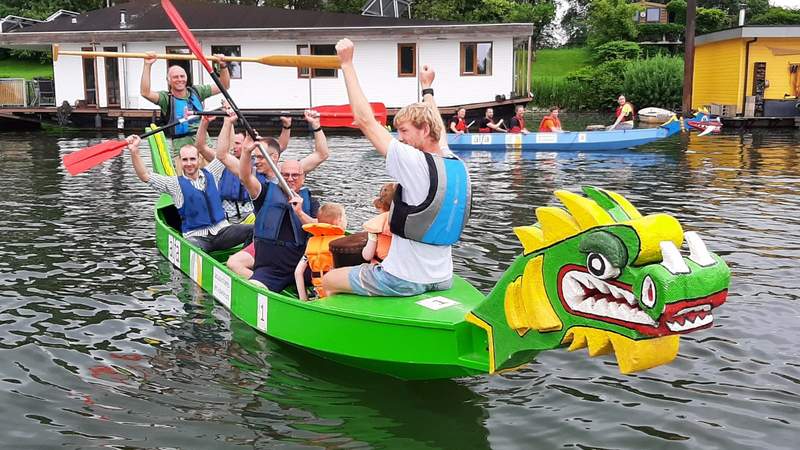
(597, 274)
(570, 141)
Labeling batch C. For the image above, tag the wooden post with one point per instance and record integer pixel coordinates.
(688, 58)
(528, 78)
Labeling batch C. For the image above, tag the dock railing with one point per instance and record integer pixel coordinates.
(13, 92)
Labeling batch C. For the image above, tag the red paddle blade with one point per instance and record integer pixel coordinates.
(186, 33)
(342, 115)
(89, 157)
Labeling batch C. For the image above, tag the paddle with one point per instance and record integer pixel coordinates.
(86, 158)
(331, 116)
(194, 46)
(312, 61)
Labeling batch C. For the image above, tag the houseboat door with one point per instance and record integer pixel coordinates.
(112, 78)
(89, 79)
(187, 65)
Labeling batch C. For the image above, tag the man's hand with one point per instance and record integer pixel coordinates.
(312, 117)
(344, 49)
(426, 76)
(133, 143)
(297, 203)
(150, 59)
(231, 117)
(223, 63)
(286, 122)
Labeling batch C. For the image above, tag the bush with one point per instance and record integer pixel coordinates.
(677, 10)
(709, 20)
(557, 91)
(656, 81)
(616, 50)
(599, 85)
(777, 16)
(655, 32)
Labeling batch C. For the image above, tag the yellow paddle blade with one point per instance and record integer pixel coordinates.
(312, 61)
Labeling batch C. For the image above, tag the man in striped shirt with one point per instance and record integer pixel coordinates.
(196, 195)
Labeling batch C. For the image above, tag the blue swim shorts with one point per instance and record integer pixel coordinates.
(371, 280)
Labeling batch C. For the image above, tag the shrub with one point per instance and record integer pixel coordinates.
(777, 16)
(709, 20)
(658, 31)
(677, 10)
(616, 50)
(657, 81)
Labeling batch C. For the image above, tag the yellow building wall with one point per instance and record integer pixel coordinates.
(718, 74)
(763, 50)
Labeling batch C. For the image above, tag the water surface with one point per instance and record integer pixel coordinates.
(105, 345)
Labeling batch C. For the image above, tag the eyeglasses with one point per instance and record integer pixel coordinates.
(291, 175)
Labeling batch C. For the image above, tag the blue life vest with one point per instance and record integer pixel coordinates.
(176, 108)
(441, 217)
(275, 207)
(230, 188)
(201, 209)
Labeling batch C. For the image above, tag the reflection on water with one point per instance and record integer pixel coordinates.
(106, 345)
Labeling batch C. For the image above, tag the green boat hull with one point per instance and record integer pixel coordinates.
(396, 336)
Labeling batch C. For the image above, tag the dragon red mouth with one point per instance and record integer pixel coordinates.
(613, 302)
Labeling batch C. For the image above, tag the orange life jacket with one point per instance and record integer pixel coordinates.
(518, 128)
(318, 253)
(555, 120)
(460, 124)
(380, 225)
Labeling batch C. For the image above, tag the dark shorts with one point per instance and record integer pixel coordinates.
(275, 264)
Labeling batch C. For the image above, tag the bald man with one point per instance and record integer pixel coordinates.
(180, 98)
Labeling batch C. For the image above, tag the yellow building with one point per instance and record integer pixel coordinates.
(755, 70)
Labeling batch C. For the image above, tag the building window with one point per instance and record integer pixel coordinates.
(653, 15)
(406, 60)
(234, 67)
(476, 58)
(327, 49)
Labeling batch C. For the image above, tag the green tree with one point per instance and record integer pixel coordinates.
(574, 22)
(677, 9)
(731, 7)
(611, 20)
(777, 16)
(710, 20)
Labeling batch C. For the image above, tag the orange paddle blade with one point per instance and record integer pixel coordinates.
(342, 115)
(86, 158)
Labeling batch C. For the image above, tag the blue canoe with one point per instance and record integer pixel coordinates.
(568, 141)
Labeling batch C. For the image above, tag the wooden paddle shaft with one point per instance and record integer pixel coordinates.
(312, 61)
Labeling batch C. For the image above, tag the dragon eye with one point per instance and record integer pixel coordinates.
(600, 267)
(648, 292)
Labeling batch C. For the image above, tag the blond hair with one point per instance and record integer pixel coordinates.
(332, 213)
(420, 114)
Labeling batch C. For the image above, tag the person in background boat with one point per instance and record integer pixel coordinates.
(318, 259)
(488, 125)
(379, 237)
(457, 123)
(624, 113)
(179, 98)
(551, 123)
(196, 196)
(425, 222)
(517, 123)
(242, 261)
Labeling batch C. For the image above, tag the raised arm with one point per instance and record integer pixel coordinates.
(246, 175)
(224, 144)
(201, 140)
(286, 133)
(426, 76)
(136, 158)
(497, 126)
(321, 151)
(144, 85)
(224, 75)
(362, 111)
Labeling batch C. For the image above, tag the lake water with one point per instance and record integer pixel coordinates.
(105, 345)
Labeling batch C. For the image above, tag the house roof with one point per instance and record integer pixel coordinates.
(761, 31)
(146, 21)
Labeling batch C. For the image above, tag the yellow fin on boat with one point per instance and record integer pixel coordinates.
(632, 355)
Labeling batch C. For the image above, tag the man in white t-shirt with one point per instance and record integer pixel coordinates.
(432, 200)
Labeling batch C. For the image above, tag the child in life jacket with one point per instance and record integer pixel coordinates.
(331, 223)
(379, 238)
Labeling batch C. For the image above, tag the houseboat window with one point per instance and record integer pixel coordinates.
(89, 79)
(653, 14)
(476, 58)
(406, 60)
(187, 65)
(235, 67)
(327, 49)
(112, 78)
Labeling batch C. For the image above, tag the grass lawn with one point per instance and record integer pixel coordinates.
(557, 62)
(14, 68)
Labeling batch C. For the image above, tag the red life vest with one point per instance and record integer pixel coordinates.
(628, 117)
(555, 120)
(460, 124)
(517, 128)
